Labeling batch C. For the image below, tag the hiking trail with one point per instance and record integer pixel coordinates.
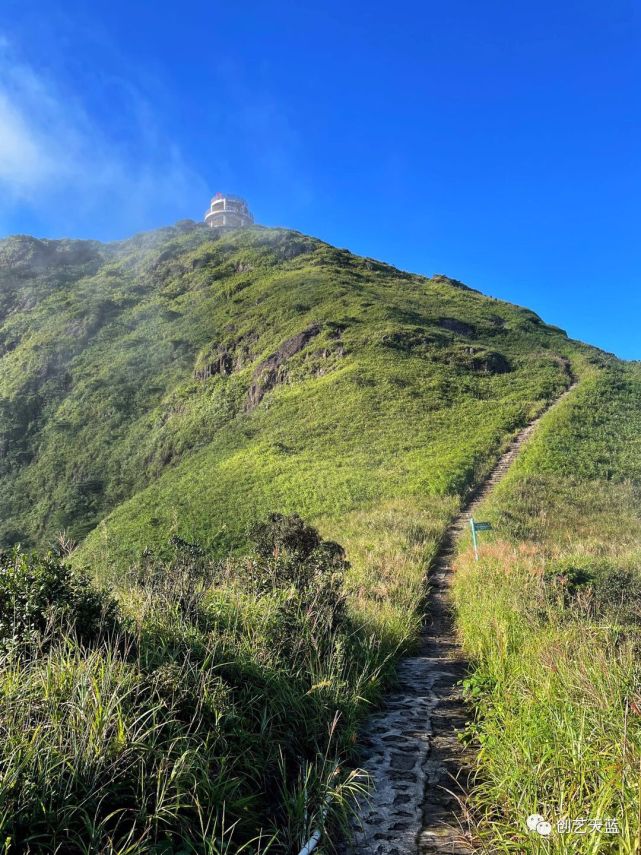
(410, 747)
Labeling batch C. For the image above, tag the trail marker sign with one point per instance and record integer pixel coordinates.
(478, 526)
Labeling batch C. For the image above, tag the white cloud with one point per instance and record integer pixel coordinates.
(24, 161)
(52, 152)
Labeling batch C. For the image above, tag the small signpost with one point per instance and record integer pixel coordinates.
(478, 526)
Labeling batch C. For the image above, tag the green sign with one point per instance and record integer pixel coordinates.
(478, 526)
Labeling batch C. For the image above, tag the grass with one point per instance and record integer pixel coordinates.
(210, 720)
(110, 428)
(152, 397)
(551, 620)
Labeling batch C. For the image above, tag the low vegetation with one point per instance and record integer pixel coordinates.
(204, 704)
(202, 715)
(192, 676)
(551, 619)
(186, 382)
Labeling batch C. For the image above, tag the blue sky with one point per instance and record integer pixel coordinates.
(496, 142)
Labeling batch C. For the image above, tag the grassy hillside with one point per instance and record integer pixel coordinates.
(235, 373)
(158, 398)
(551, 617)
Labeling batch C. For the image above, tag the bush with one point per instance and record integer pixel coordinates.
(178, 581)
(280, 534)
(596, 588)
(617, 593)
(291, 554)
(38, 594)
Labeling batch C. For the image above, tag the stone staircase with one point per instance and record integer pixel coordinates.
(410, 748)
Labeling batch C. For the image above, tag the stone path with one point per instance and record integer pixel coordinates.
(410, 748)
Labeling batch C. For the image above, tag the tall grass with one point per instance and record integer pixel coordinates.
(213, 714)
(94, 759)
(550, 617)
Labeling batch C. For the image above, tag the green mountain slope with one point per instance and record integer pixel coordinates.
(185, 380)
(160, 394)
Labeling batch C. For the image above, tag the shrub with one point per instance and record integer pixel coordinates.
(178, 581)
(291, 554)
(39, 593)
(284, 534)
(596, 587)
(617, 592)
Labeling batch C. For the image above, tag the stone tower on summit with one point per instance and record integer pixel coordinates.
(228, 211)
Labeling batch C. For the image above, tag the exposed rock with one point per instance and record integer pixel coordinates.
(267, 380)
(272, 370)
(243, 350)
(225, 359)
(295, 344)
(328, 356)
(221, 364)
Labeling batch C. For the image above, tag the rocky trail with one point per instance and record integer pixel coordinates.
(410, 748)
